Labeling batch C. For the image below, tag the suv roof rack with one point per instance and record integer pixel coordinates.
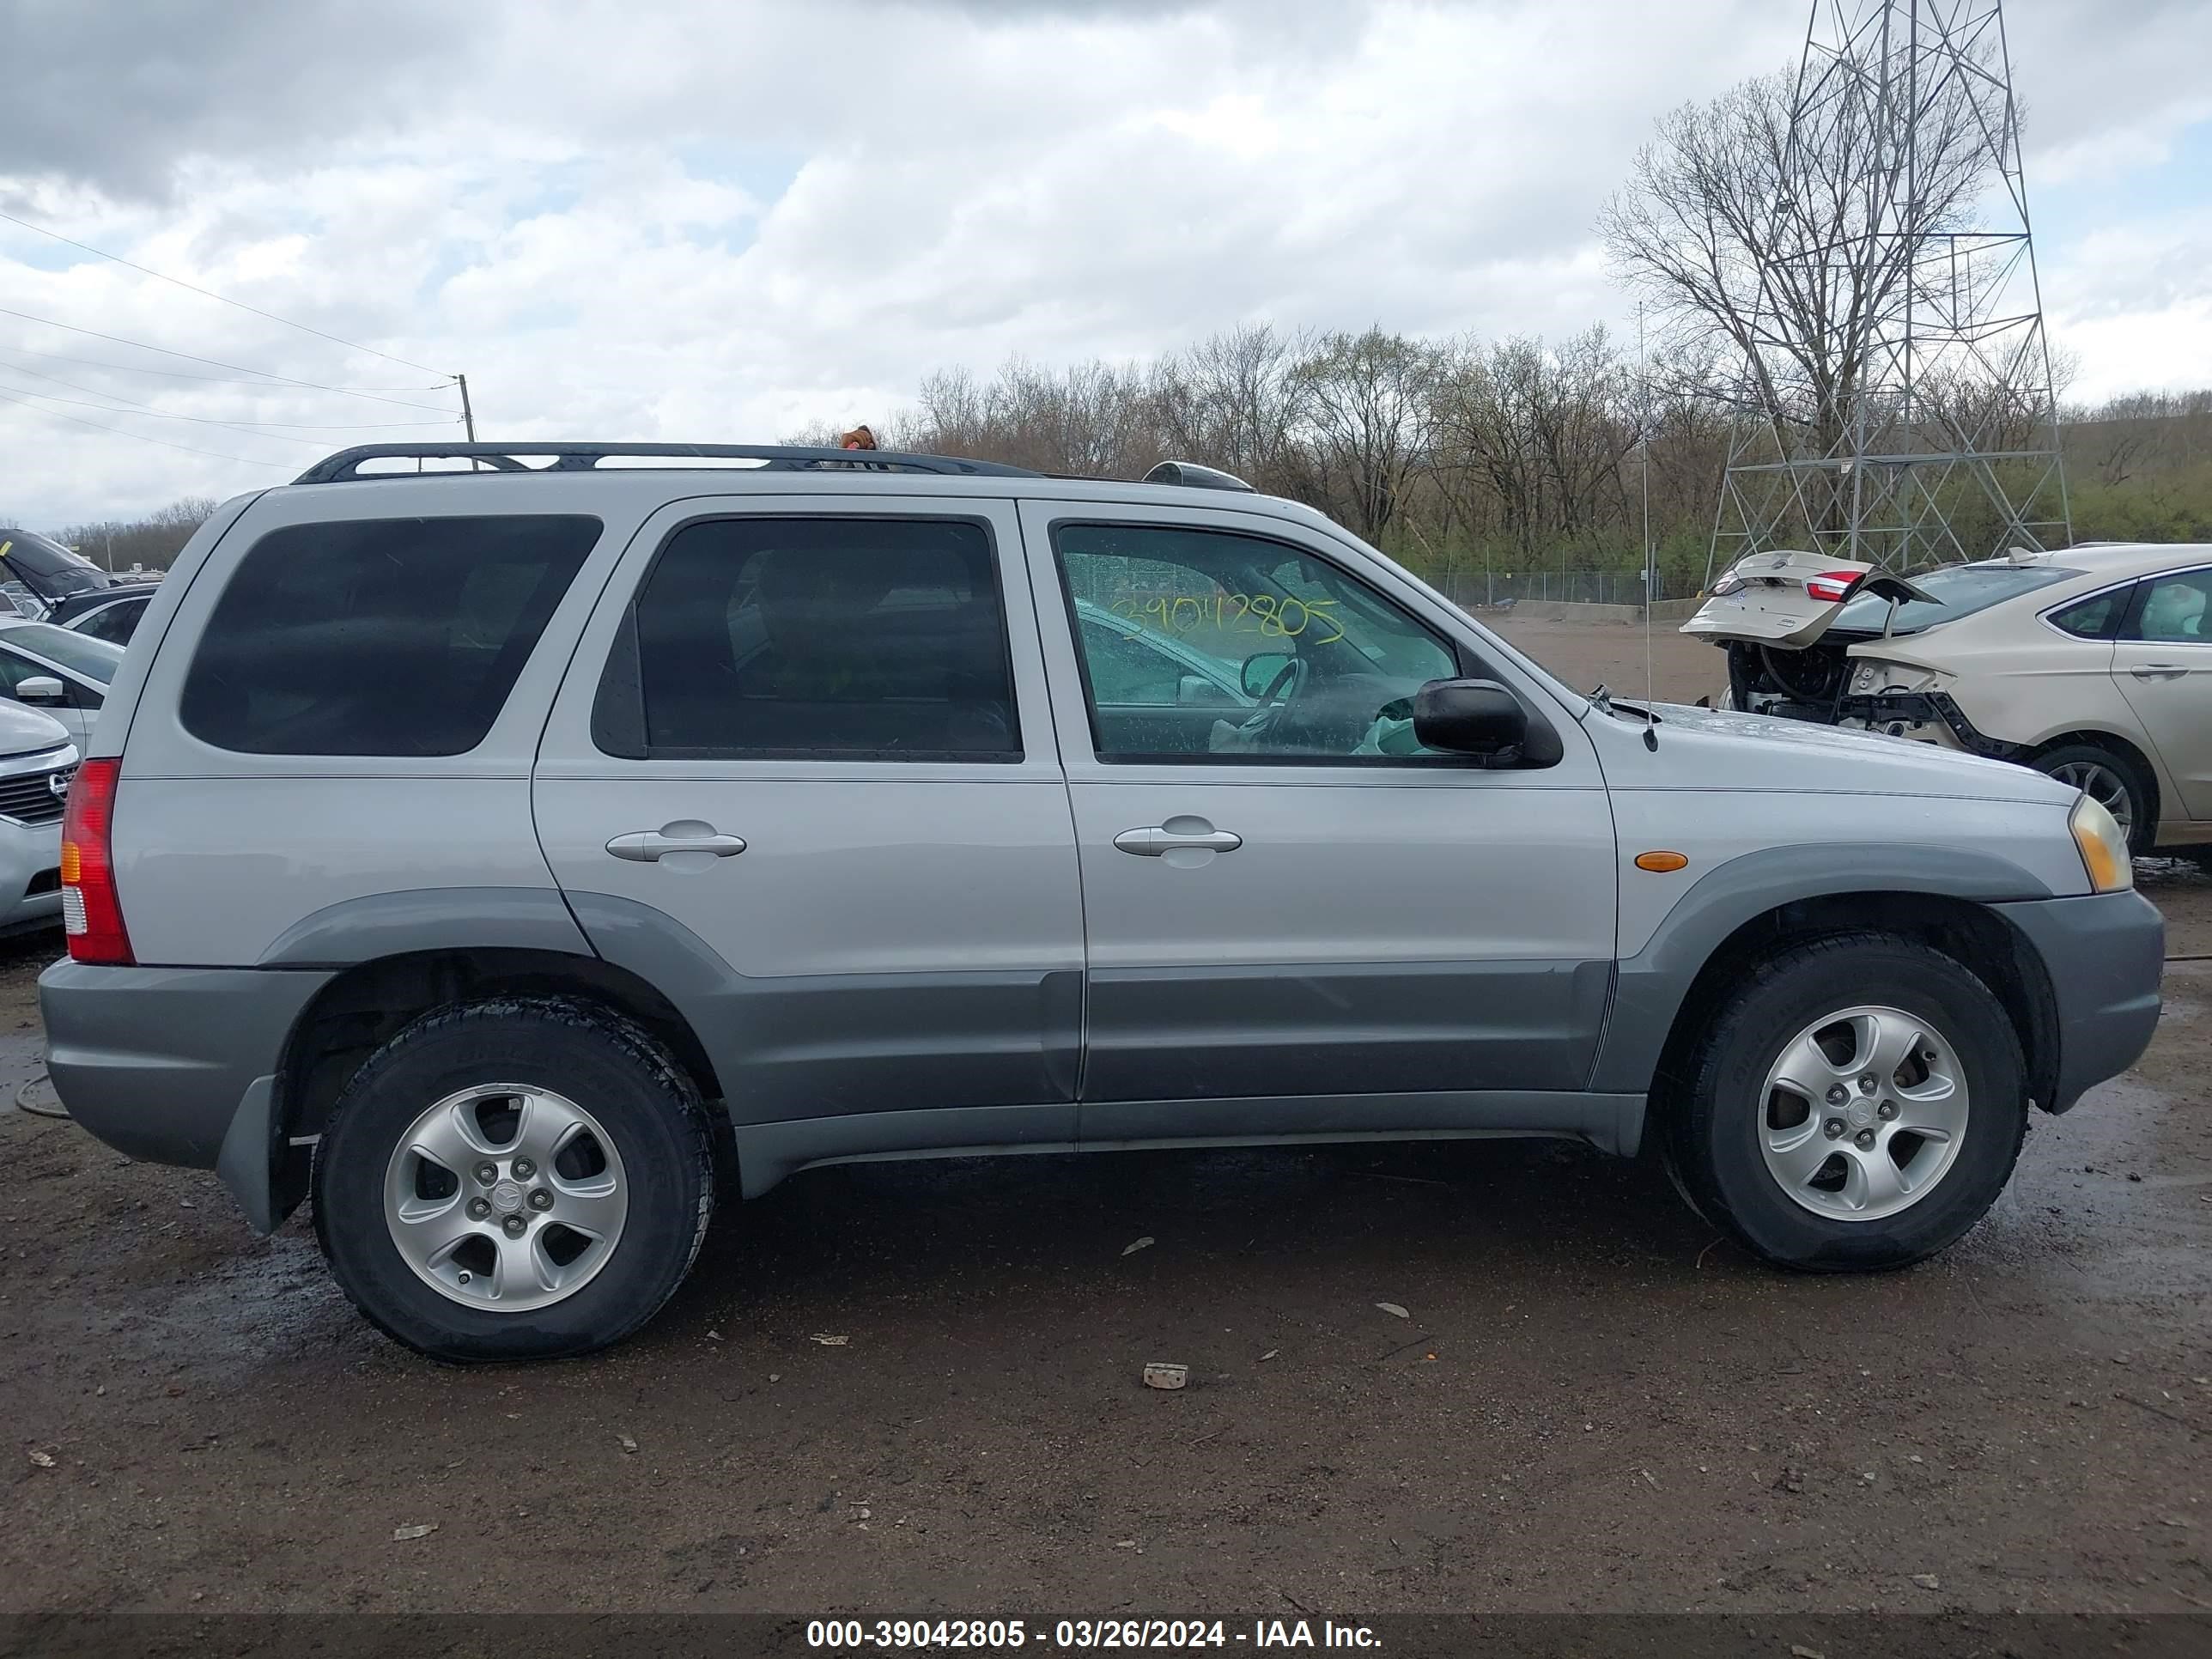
(345, 465)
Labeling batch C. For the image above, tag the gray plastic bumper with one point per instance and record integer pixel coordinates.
(176, 1064)
(2104, 955)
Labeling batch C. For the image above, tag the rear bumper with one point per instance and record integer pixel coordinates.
(2103, 956)
(176, 1064)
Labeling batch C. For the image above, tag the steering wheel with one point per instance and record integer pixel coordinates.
(1281, 692)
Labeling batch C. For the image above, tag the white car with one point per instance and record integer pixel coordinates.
(2092, 663)
(59, 671)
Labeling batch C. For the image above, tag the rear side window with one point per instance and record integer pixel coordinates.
(815, 638)
(2094, 618)
(379, 636)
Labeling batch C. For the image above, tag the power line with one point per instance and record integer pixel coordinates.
(214, 363)
(142, 437)
(78, 402)
(248, 427)
(210, 379)
(194, 287)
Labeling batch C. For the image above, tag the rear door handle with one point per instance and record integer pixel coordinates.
(1155, 839)
(651, 846)
(2159, 671)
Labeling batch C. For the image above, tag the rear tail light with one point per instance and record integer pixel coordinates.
(1829, 586)
(91, 916)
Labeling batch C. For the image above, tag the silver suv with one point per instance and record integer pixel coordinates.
(512, 858)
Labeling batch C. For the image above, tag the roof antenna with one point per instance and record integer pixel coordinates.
(1650, 583)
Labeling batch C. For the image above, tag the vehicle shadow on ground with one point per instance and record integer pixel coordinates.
(1040, 1228)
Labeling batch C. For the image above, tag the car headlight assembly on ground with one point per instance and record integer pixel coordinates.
(2103, 846)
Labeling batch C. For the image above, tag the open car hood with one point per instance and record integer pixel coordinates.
(1789, 599)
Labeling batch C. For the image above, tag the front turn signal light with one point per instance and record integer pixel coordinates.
(2103, 846)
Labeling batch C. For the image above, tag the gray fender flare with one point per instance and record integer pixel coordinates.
(257, 1161)
(1650, 986)
(429, 919)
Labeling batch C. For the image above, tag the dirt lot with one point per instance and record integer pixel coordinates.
(1586, 654)
(1592, 1403)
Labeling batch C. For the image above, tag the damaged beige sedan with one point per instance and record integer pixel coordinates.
(2092, 663)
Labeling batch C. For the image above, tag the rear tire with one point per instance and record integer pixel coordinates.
(2115, 780)
(1773, 1137)
(600, 1180)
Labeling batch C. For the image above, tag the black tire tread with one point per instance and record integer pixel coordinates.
(624, 1035)
(1693, 1099)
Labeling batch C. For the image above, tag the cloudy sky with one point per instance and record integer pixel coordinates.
(722, 221)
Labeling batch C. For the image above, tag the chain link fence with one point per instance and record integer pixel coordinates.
(1478, 588)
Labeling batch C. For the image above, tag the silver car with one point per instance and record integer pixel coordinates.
(62, 673)
(492, 855)
(37, 760)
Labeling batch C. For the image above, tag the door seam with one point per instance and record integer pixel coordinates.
(1068, 800)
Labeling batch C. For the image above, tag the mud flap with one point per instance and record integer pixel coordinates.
(250, 1159)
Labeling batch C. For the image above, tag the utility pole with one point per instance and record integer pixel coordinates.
(468, 414)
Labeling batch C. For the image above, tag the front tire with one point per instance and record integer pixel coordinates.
(1857, 1105)
(527, 1178)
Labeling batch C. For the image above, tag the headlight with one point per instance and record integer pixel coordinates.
(2103, 846)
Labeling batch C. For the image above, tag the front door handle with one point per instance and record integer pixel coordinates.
(1156, 839)
(651, 846)
(2159, 671)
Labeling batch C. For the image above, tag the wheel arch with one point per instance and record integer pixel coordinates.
(1970, 934)
(2162, 787)
(1665, 995)
(369, 1002)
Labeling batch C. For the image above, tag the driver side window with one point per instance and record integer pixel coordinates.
(1207, 644)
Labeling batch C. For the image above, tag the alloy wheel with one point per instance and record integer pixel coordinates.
(1862, 1113)
(505, 1197)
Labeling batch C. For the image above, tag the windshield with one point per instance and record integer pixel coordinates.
(46, 566)
(97, 659)
(1958, 591)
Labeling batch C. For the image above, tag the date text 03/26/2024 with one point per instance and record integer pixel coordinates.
(1086, 1633)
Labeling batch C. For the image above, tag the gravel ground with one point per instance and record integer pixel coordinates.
(904, 1388)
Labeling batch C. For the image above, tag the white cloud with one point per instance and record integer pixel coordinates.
(2134, 305)
(707, 221)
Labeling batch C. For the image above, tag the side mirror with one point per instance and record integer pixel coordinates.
(1470, 717)
(1192, 689)
(1263, 671)
(39, 687)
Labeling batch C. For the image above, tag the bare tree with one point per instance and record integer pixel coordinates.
(1795, 250)
(1234, 401)
(153, 541)
(1543, 430)
(1369, 410)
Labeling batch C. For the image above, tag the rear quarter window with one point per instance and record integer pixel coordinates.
(379, 636)
(2096, 618)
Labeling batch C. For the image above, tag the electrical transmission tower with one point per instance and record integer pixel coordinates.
(1898, 402)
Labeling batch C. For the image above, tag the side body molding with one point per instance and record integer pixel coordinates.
(1650, 986)
(823, 1045)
